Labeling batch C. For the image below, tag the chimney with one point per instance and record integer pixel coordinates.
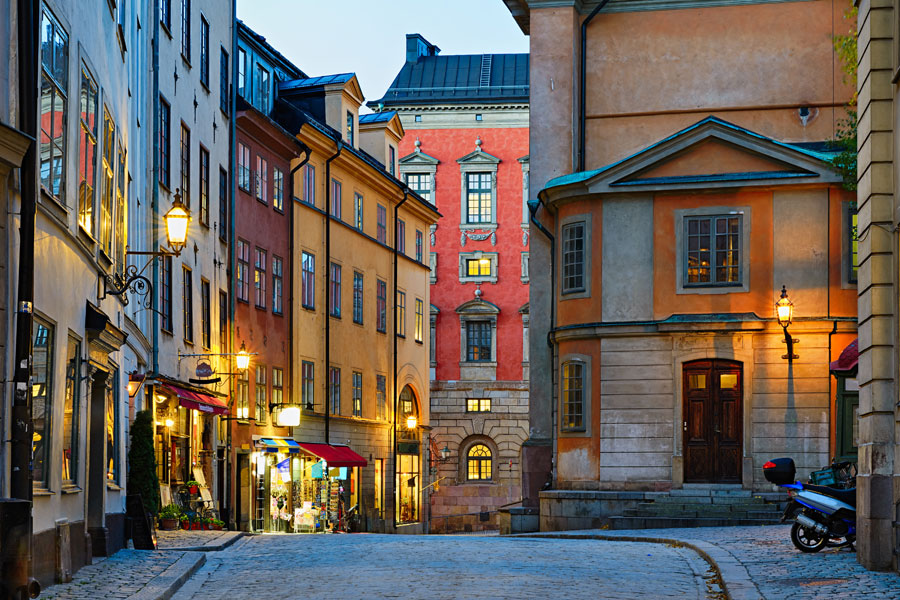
(417, 46)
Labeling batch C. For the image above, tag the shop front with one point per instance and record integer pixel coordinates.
(408, 480)
(303, 487)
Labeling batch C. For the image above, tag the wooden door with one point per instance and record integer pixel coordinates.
(713, 423)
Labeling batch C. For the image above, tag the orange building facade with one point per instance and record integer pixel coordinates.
(672, 213)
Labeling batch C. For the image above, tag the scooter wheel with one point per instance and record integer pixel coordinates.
(806, 540)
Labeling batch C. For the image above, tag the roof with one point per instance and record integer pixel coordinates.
(818, 153)
(847, 362)
(461, 78)
(379, 117)
(261, 40)
(311, 82)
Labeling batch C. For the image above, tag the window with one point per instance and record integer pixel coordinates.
(358, 211)
(478, 267)
(382, 224)
(243, 271)
(381, 306)
(71, 411)
(401, 314)
(187, 300)
(42, 399)
(349, 127)
(573, 396)
(243, 167)
(277, 386)
(420, 183)
(381, 398)
(277, 285)
(204, 51)
(309, 185)
(121, 220)
(432, 265)
(204, 186)
(224, 93)
(259, 277)
(713, 246)
(165, 294)
(165, 163)
(243, 395)
(419, 244)
(418, 118)
(54, 95)
(308, 381)
(185, 165)
(223, 320)
(525, 260)
(479, 117)
(87, 160)
(335, 198)
(357, 394)
(392, 160)
(334, 389)
(334, 308)
(308, 281)
(107, 178)
(573, 257)
(261, 394)
(262, 179)
(420, 320)
(853, 243)
(478, 463)
(478, 341)
(223, 204)
(165, 13)
(478, 198)
(205, 314)
(112, 429)
(401, 236)
(262, 89)
(186, 30)
(277, 189)
(357, 297)
(478, 405)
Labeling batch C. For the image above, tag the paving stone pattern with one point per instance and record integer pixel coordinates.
(122, 575)
(779, 570)
(180, 538)
(444, 567)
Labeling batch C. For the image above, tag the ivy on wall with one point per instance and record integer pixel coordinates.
(845, 136)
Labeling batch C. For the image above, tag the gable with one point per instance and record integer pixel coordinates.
(478, 157)
(418, 158)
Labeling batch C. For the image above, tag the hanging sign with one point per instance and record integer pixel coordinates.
(284, 470)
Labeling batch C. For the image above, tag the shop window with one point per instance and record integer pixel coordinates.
(41, 403)
(113, 418)
(408, 484)
(71, 411)
(478, 463)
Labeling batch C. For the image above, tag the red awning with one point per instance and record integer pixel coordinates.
(198, 401)
(335, 456)
(847, 361)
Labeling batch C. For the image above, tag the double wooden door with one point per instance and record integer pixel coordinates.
(713, 422)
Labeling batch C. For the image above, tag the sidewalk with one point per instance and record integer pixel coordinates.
(761, 563)
(198, 541)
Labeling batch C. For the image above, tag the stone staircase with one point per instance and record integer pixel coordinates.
(699, 505)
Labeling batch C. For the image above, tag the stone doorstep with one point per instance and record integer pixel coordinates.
(214, 545)
(164, 585)
(619, 523)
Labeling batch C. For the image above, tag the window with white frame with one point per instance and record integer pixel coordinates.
(479, 198)
(259, 277)
(262, 179)
(573, 238)
(478, 267)
(243, 156)
(277, 189)
(308, 384)
(573, 386)
(262, 393)
(420, 320)
(308, 281)
(277, 285)
(54, 99)
(334, 389)
(358, 211)
(357, 394)
(712, 250)
(309, 185)
(262, 89)
(87, 142)
(420, 183)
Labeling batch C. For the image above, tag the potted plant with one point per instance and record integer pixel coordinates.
(169, 517)
(193, 486)
(185, 523)
(217, 525)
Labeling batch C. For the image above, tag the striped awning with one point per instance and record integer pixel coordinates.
(286, 446)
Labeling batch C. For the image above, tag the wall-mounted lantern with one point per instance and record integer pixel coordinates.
(784, 312)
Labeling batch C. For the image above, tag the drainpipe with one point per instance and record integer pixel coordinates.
(290, 290)
(394, 356)
(230, 257)
(328, 217)
(582, 78)
(154, 199)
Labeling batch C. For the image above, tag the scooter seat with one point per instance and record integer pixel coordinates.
(845, 496)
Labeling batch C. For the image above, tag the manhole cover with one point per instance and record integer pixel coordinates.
(813, 581)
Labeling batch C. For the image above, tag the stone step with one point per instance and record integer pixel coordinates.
(688, 512)
(670, 522)
(707, 500)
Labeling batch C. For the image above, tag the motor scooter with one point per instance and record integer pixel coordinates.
(823, 516)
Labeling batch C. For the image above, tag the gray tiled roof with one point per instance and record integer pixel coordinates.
(378, 117)
(491, 78)
(311, 82)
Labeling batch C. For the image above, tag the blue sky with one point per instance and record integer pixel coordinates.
(369, 37)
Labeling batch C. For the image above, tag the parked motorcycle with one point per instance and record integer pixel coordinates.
(823, 516)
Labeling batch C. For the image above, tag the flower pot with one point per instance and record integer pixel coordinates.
(168, 524)
(195, 526)
(185, 525)
(195, 489)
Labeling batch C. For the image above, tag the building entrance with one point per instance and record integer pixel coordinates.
(713, 421)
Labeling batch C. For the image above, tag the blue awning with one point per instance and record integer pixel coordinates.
(278, 445)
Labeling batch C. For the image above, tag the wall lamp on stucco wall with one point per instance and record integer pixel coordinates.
(784, 312)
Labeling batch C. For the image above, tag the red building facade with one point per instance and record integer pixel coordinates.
(466, 150)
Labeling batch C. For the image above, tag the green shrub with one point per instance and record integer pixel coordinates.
(142, 477)
(170, 511)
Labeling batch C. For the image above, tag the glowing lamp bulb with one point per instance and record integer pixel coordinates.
(169, 422)
(411, 422)
(289, 416)
(784, 309)
(177, 220)
(242, 360)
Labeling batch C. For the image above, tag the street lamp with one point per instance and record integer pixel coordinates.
(242, 359)
(132, 279)
(784, 312)
(411, 422)
(445, 453)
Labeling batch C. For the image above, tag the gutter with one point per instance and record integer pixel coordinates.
(328, 217)
(290, 290)
(582, 78)
(394, 358)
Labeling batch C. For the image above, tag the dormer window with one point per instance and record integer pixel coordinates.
(349, 127)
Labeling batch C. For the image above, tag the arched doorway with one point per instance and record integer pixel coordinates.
(408, 480)
(713, 421)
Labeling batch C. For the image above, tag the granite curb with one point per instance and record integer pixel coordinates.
(215, 545)
(736, 581)
(164, 585)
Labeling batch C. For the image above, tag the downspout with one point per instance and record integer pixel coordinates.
(290, 288)
(532, 209)
(582, 111)
(394, 355)
(328, 217)
(154, 197)
(231, 494)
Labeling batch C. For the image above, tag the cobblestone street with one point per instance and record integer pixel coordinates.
(382, 566)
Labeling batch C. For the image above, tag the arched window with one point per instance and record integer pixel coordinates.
(478, 463)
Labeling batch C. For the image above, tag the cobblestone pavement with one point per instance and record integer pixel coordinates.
(779, 570)
(180, 538)
(124, 574)
(441, 567)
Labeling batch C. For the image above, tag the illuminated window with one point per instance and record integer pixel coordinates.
(420, 320)
(261, 394)
(573, 396)
(478, 198)
(712, 250)
(478, 405)
(478, 463)
(478, 267)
